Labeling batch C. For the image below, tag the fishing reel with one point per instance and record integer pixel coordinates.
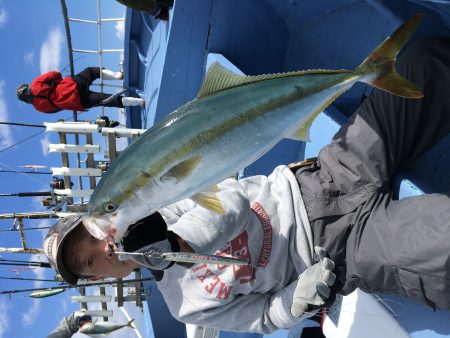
(104, 121)
(57, 183)
(103, 166)
(54, 201)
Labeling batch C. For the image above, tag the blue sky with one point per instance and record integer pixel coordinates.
(33, 42)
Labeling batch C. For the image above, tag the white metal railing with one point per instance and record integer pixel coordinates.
(100, 49)
(83, 128)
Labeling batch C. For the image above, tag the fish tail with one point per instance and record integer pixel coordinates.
(380, 63)
(131, 324)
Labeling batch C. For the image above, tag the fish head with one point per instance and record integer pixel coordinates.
(109, 217)
(114, 206)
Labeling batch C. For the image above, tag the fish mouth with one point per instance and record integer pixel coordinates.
(99, 226)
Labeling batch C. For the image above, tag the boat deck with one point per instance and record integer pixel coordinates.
(165, 63)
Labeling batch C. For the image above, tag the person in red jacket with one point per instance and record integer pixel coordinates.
(50, 92)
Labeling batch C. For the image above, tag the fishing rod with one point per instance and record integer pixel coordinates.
(29, 194)
(31, 279)
(26, 172)
(66, 286)
(30, 215)
(24, 124)
(31, 136)
(24, 229)
(41, 264)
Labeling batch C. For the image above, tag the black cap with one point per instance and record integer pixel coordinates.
(54, 244)
(23, 93)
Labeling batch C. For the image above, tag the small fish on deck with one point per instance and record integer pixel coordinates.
(104, 327)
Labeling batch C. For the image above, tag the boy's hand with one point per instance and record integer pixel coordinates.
(148, 234)
(313, 285)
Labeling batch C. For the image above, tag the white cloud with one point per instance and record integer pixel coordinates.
(5, 131)
(3, 17)
(64, 305)
(45, 141)
(120, 29)
(30, 316)
(29, 58)
(50, 57)
(5, 321)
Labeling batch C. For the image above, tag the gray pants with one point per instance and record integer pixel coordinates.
(380, 244)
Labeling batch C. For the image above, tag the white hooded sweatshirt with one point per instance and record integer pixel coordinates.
(265, 222)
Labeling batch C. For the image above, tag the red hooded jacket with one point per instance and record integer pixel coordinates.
(52, 93)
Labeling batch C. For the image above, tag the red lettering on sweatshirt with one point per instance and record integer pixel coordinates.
(212, 283)
(266, 248)
(203, 276)
(238, 247)
(224, 291)
(210, 287)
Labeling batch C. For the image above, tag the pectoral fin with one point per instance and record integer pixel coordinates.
(209, 201)
(181, 170)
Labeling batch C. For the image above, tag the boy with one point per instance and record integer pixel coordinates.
(340, 204)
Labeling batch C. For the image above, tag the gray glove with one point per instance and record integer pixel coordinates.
(67, 327)
(313, 285)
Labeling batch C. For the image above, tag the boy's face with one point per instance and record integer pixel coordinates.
(88, 256)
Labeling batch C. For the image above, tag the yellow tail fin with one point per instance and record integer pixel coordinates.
(381, 62)
(132, 324)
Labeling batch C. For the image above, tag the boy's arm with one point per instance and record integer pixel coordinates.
(255, 312)
(264, 313)
(48, 78)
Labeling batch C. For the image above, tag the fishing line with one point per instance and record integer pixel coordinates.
(26, 175)
(332, 309)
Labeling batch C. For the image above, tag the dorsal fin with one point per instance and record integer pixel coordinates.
(219, 78)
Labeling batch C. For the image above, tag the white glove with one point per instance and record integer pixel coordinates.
(313, 285)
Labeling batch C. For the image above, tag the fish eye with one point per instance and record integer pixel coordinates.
(109, 207)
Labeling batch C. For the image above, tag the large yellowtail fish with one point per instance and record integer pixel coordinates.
(232, 122)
